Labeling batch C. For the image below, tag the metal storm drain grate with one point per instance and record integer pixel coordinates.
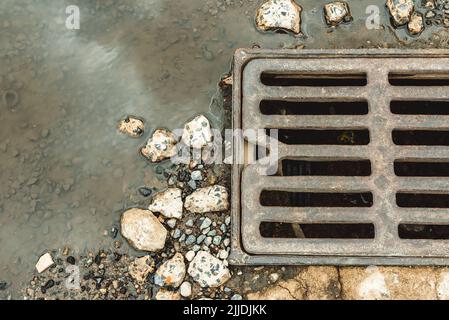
(363, 169)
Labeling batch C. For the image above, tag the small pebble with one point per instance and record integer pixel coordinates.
(206, 223)
(217, 240)
(190, 240)
(200, 239)
(186, 289)
(171, 223)
(273, 277)
(223, 228)
(212, 233)
(197, 175)
(208, 241)
(145, 192)
(176, 233)
(190, 255)
(71, 260)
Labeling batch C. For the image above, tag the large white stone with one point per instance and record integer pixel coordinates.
(143, 230)
(279, 14)
(172, 272)
(44, 262)
(160, 146)
(168, 203)
(197, 133)
(208, 199)
(400, 11)
(208, 271)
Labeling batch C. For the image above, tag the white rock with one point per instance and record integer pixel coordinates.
(336, 12)
(171, 223)
(140, 268)
(374, 286)
(279, 14)
(190, 255)
(401, 11)
(443, 286)
(273, 277)
(172, 272)
(164, 294)
(197, 133)
(208, 271)
(160, 146)
(168, 203)
(44, 262)
(196, 175)
(416, 24)
(185, 289)
(209, 199)
(143, 230)
(131, 126)
(223, 254)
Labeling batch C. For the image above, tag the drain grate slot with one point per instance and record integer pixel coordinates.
(420, 107)
(323, 137)
(422, 200)
(360, 175)
(418, 79)
(421, 169)
(421, 231)
(317, 231)
(285, 107)
(292, 167)
(275, 198)
(312, 79)
(421, 137)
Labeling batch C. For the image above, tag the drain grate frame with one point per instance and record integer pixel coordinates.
(248, 247)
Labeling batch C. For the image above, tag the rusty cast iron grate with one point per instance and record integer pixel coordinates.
(363, 171)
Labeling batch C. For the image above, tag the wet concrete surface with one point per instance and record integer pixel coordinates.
(66, 172)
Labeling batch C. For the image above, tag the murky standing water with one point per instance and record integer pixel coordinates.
(66, 173)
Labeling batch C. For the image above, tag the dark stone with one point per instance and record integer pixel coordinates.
(145, 192)
(114, 232)
(123, 290)
(117, 256)
(97, 259)
(3, 285)
(71, 260)
(88, 275)
(48, 285)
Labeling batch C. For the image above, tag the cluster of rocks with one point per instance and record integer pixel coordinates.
(437, 12)
(285, 15)
(96, 276)
(403, 13)
(189, 214)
